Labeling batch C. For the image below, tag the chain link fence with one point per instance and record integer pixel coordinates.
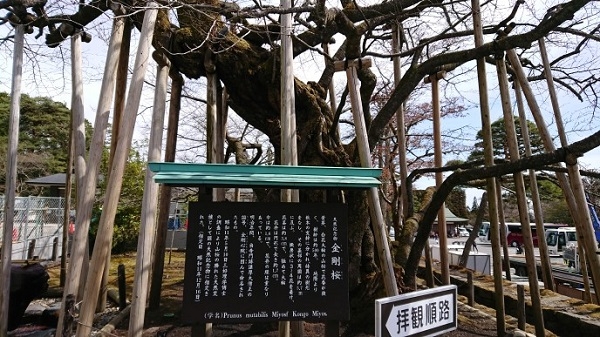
(37, 229)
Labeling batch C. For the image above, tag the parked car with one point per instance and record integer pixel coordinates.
(463, 232)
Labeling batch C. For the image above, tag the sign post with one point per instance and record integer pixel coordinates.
(427, 312)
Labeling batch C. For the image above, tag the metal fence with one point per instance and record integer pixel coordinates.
(38, 226)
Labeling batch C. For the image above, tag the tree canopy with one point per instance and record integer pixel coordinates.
(500, 143)
(43, 139)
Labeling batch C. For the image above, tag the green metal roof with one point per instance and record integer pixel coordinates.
(223, 175)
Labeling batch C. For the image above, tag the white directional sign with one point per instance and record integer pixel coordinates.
(427, 312)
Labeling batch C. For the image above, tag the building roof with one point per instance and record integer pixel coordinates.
(58, 179)
(451, 217)
(281, 176)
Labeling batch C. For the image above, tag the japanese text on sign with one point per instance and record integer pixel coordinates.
(416, 313)
(265, 261)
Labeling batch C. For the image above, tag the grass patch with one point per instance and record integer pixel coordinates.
(174, 265)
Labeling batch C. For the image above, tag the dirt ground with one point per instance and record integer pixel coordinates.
(165, 323)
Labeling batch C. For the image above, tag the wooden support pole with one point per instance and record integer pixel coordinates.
(439, 176)
(471, 298)
(503, 230)
(381, 241)
(330, 87)
(289, 155)
(571, 186)
(86, 193)
(513, 151)
(429, 280)
(289, 151)
(400, 129)
(122, 286)
(149, 203)
(11, 176)
(31, 249)
(164, 198)
(67, 205)
(535, 195)
(79, 144)
(105, 228)
(54, 249)
(521, 307)
(214, 144)
(77, 111)
(119, 107)
(220, 134)
(490, 183)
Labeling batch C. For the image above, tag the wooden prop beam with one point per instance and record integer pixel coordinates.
(214, 142)
(535, 195)
(401, 128)
(11, 176)
(119, 107)
(439, 176)
(513, 150)
(503, 230)
(86, 193)
(78, 127)
(164, 198)
(563, 141)
(571, 186)
(381, 240)
(289, 150)
(143, 262)
(105, 229)
(488, 156)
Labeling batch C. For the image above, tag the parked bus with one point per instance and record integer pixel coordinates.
(514, 236)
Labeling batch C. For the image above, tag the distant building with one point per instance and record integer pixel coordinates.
(452, 222)
(56, 183)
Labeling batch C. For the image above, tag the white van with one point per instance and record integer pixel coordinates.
(463, 232)
(558, 239)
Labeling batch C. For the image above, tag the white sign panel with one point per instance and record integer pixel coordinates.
(427, 312)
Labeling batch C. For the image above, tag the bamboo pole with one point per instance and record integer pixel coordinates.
(490, 184)
(381, 241)
(535, 195)
(439, 176)
(105, 228)
(11, 176)
(513, 150)
(573, 190)
(88, 190)
(164, 199)
(149, 202)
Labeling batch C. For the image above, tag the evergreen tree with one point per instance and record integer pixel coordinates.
(43, 140)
